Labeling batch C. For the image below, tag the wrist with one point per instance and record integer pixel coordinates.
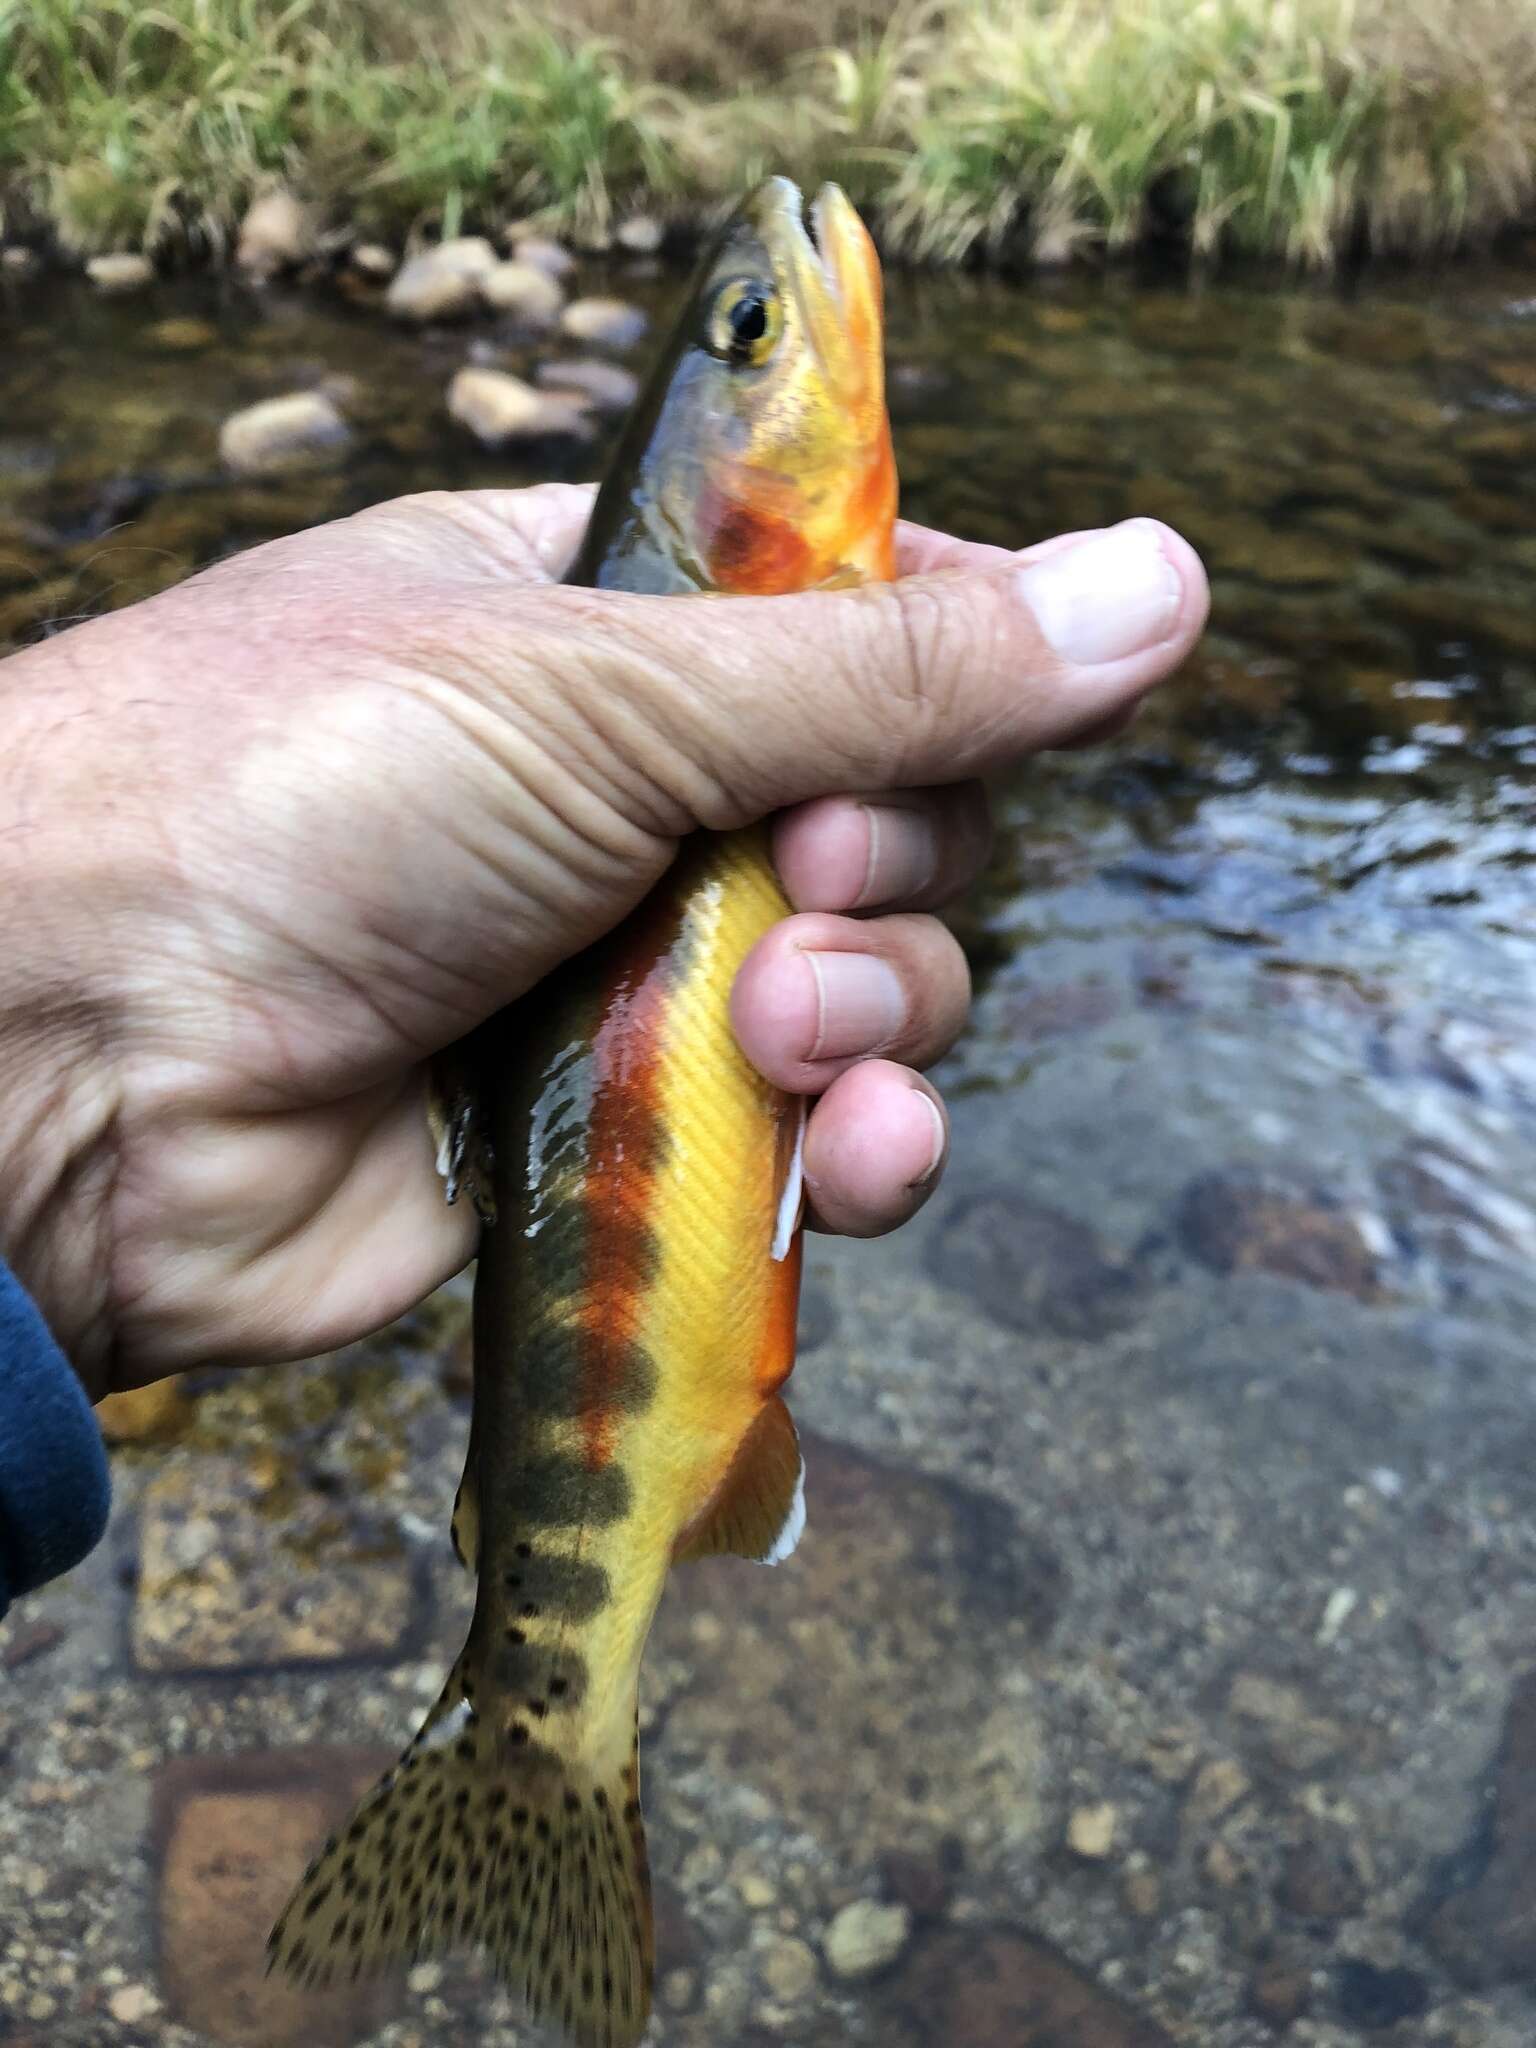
(60, 1006)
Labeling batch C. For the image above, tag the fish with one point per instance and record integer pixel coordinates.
(635, 1295)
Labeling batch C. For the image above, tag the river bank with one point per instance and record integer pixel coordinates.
(1010, 131)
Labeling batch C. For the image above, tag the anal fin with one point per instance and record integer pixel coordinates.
(758, 1511)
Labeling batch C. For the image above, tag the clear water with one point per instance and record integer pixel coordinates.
(1160, 1651)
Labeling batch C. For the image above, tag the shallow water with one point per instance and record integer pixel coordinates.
(1161, 1651)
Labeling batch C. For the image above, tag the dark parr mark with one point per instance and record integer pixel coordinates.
(561, 1492)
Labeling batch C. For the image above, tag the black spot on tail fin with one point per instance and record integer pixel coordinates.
(535, 1857)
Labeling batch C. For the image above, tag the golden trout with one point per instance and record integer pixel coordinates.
(635, 1296)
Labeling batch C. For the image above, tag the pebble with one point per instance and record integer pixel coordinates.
(498, 408)
(865, 1937)
(121, 271)
(1091, 1831)
(1279, 1990)
(522, 289)
(133, 2003)
(609, 387)
(755, 1891)
(17, 261)
(642, 234)
(610, 323)
(425, 1977)
(182, 336)
(546, 255)
(1218, 1787)
(441, 283)
(299, 431)
(789, 1969)
(278, 233)
(372, 259)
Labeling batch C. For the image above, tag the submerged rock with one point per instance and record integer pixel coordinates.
(498, 408)
(302, 430)
(610, 323)
(524, 290)
(278, 233)
(122, 271)
(1485, 1932)
(1030, 1267)
(605, 385)
(981, 1988)
(543, 253)
(233, 1835)
(865, 1938)
(441, 283)
(1250, 1222)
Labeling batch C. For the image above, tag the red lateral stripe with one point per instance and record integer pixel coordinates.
(625, 1137)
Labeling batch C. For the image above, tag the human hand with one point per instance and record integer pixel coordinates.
(269, 840)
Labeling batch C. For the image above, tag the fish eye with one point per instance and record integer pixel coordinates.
(745, 322)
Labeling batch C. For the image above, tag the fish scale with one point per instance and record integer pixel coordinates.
(635, 1294)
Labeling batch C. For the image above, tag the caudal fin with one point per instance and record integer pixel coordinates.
(525, 1853)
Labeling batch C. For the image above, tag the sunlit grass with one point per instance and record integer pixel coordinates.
(1302, 129)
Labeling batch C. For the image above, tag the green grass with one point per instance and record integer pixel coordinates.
(1299, 129)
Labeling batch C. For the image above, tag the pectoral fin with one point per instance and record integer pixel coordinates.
(759, 1508)
(464, 1156)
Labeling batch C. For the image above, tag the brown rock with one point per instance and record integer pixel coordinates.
(233, 1837)
(1280, 1989)
(284, 436)
(1000, 1989)
(610, 323)
(1247, 1222)
(223, 1584)
(151, 1414)
(23, 1642)
(1484, 1932)
(1030, 1267)
(921, 1883)
(182, 336)
(278, 233)
(1320, 1881)
(497, 409)
(903, 1615)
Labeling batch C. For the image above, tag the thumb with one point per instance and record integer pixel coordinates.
(973, 659)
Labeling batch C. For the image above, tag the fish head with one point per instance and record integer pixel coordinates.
(763, 455)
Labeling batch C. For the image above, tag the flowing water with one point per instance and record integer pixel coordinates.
(1159, 1666)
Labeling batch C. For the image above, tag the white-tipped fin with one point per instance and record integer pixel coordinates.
(787, 1541)
(792, 1195)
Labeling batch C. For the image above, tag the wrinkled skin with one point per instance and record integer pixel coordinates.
(272, 838)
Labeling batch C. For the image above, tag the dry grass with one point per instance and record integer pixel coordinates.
(1296, 128)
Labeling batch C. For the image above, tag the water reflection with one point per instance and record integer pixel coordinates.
(1159, 1665)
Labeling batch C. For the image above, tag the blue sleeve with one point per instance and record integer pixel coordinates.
(54, 1490)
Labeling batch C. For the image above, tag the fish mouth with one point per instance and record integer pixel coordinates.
(827, 268)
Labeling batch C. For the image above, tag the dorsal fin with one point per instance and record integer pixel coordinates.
(759, 1508)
